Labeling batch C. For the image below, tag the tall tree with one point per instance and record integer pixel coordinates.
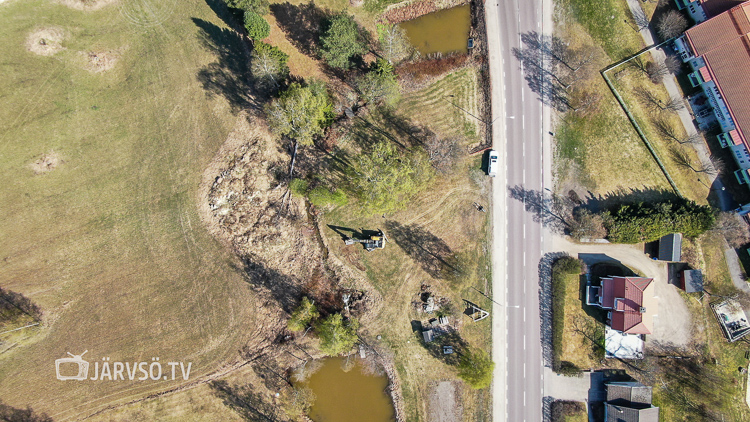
(268, 64)
(341, 41)
(384, 178)
(303, 315)
(475, 367)
(257, 27)
(260, 7)
(394, 43)
(301, 112)
(336, 335)
(379, 85)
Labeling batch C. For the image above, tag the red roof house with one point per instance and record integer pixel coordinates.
(631, 302)
(718, 50)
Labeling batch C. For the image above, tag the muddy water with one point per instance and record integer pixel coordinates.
(348, 396)
(444, 31)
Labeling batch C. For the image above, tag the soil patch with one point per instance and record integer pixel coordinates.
(46, 163)
(46, 41)
(87, 5)
(444, 399)
(100, 61)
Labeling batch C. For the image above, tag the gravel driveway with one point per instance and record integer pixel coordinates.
(672, 324)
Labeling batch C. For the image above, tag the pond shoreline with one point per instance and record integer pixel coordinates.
(412, 9)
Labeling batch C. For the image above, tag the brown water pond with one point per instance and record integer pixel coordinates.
(345, 396)
(445, 31)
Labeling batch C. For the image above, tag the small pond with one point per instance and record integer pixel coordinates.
(445, 31)
(345, 396)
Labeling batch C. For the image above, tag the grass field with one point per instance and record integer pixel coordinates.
(687, 180)
(109, 244)
(448, 106)
(585, 142)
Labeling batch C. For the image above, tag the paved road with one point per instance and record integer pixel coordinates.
(519, 241)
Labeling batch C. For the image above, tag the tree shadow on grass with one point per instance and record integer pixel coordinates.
(229, 76)
(302, 24)
(11, 414)
(432, 253)
(450, 338)
(249, 405)
(284, 289)
(231, 17)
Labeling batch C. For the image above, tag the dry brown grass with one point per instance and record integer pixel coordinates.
(300, 64)
(46, 41)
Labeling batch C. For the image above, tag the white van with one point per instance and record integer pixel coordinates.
(493, 164)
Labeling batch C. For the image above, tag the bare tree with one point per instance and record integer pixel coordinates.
(656, 71)
(670, 133)
(673, 64)
(682, 159)
(394, 43)
(650, 100)
(672, 24)
(733, 228)
(586, 224)
(674, 104)
(444, 153)
(552, 67)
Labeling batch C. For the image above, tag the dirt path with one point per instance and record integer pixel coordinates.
(444, 403)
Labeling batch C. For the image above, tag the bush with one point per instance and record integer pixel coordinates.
(646, 222)
(257, 6)
(298, 187)
(257, 27)
(321, 196)
(586, 224)
(379, 85)
(336, 335)
(305, 313)
(475, 367)
(341, 41)
(301, 112)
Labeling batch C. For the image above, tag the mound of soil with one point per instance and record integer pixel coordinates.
(101, 61)
(46, 41)
(46, 163)
(87, 5)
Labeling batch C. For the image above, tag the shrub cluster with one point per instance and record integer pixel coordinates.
(646, 222)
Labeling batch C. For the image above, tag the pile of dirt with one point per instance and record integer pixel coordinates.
(46, 41)
(409, 10)
(46, 163)
(87, 5)
(100, 61)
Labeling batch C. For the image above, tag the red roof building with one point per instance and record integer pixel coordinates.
(718, 51)
(631, 302)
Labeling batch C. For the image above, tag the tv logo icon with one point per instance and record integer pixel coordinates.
(83, 367)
